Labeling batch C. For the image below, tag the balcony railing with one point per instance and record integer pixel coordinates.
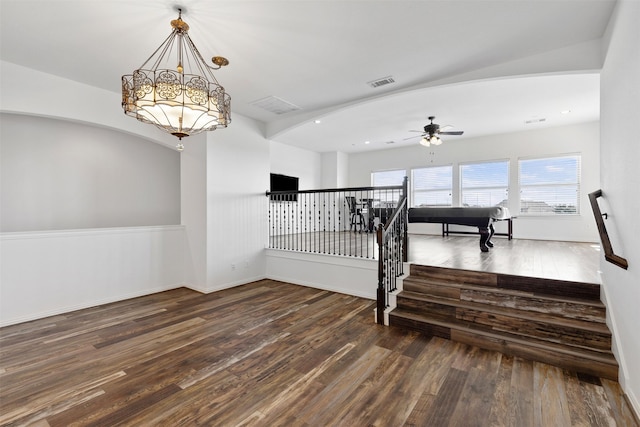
(361, 222)
(340, 221)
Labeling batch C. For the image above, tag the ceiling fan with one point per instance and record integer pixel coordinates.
(432, 132)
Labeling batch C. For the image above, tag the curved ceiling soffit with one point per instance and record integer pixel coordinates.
(279, 128)
(580, 58)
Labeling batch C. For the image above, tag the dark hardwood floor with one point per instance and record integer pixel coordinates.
(275, 354)
(573, 261)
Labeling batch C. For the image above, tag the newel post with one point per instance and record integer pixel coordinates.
(405, 221)
(381, 294)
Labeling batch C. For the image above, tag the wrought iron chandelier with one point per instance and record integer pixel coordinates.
(177, 92)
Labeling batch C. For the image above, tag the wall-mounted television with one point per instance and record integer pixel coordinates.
(284, 183)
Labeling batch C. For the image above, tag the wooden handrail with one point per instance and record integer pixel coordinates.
(334, 190)
(609, 255)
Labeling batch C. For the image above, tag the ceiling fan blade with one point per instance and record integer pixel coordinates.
(413, 137)
(412, 130)
(453, 132)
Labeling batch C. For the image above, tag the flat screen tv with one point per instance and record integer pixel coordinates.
(284, 183)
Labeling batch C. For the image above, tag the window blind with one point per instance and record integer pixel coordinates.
(385, 178)
(432, 186)
(485, 184)
(550, 186)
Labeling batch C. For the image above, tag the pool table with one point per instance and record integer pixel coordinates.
(483, 218)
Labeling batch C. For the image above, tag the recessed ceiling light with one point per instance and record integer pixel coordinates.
(317, 122)
(367, 142)
(565, 111)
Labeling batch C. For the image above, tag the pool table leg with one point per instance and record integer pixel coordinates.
(484, 238)
(491, 233)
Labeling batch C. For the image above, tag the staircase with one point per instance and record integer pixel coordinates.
(552, 321)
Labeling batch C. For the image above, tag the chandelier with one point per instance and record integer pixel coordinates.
(175, 89)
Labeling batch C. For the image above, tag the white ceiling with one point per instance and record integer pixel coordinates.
(482, 66)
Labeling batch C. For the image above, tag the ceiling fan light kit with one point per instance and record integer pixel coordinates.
(177, 92)
(432, 132)
(430, 140)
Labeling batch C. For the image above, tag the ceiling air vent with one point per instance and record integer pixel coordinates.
(275, 105)
(535, 120)
(381, 82)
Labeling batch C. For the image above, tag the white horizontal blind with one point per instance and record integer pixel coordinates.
(385, 178)
(432, 186)
(485, 184)
(550, 186)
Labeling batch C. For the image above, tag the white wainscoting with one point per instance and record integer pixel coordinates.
(346, 275)
(48, 273)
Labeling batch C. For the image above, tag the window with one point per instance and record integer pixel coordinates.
(385, 178)
(550, 186)
(432, 186)
(484, 184)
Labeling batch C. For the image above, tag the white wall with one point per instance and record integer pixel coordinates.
(237, 178)
(351, 276)
(620, 183)
(27, 91)
(335, 169)
(582, 139)
(52, 272)
(223, 208)
(57, 175)
(293, 161)
(193, 182)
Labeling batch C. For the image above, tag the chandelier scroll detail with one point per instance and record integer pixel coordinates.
(175, 89)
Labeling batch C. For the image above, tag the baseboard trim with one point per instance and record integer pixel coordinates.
(88, 304)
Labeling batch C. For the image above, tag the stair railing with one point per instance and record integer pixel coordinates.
(609, 255)
(392, 254)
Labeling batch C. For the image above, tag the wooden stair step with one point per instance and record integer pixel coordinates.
(601, 364)
(546, 327)
(551, 318)
(577, 308)
(535, 285)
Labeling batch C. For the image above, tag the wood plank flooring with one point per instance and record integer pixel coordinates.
(274, 354)
(572, 261)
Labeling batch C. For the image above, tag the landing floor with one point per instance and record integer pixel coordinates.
(573, 261)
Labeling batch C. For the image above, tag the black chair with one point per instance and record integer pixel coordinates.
(355, 213)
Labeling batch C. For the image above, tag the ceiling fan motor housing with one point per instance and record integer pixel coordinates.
(432, 128)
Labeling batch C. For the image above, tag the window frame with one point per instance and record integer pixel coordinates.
(387, 196)
(577, 184)
(372, 181)
(414, 190)
(461, 166)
